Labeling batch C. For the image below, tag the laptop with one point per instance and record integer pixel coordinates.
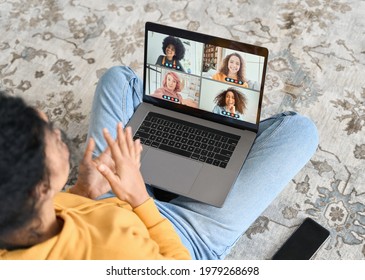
(197, 124)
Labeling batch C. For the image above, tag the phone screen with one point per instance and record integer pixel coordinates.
(304, 242)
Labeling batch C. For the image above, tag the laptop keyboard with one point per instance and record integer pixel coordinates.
(187, 139)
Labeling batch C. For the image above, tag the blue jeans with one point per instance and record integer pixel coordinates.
(284, 144)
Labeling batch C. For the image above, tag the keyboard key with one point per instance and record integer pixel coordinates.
(155, 144)
(232, 142)
(187, 139)
(174, 150)
(197, 151)
(202, 158)
(197, 144)
(221, 158)
(191, 149)
(140, 134)
(195, 156)
(217, 137)
(231, 148)
(144, 129)
(226, 153)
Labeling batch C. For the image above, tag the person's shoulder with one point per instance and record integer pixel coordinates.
(159, 59)
(218, 76)
(217, 109)
(158, 93)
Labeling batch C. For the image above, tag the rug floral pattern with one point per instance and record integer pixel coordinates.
(52, 53)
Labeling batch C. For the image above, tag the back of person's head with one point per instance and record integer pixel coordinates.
(22, 162)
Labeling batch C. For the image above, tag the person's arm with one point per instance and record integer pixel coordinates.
(162, 232)
(158, 93)
(217, 110)
(90, 182)
(128, 185)
(159, 60)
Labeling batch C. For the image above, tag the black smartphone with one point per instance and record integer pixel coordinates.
(304, 242)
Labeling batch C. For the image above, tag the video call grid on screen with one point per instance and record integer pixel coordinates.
(199, 87)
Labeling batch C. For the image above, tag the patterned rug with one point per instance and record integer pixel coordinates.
(52, 53)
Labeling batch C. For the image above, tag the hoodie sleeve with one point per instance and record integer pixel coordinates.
(161, 231)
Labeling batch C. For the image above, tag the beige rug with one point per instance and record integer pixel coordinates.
(52, 53)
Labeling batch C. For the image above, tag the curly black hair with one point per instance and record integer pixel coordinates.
(179, 46)
(22, 162)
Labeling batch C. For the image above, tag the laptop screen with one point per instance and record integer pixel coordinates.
(206, 76)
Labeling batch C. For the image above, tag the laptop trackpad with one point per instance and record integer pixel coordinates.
(168, 171)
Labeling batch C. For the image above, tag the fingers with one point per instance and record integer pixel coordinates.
(89, 150)
(121, 138)
(113, 145)
(124, 145)
(138, 149)
(108, 174)
(130, 142)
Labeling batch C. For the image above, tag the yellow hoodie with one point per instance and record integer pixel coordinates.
(106, 229)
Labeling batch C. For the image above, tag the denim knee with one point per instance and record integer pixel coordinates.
(306, 129)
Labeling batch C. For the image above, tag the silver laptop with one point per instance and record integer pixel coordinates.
(200, 111)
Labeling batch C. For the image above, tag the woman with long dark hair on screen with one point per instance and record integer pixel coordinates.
(233, 67)
(231, 103)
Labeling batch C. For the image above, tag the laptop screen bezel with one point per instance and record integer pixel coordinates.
(206, 39)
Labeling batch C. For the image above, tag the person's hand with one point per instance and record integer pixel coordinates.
(90, 182)
(232, 109)
(127, 181)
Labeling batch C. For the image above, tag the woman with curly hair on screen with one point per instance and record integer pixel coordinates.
(174, 51)
(230, 103)
(233, 68)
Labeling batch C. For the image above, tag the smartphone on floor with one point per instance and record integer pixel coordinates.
(304, 242)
